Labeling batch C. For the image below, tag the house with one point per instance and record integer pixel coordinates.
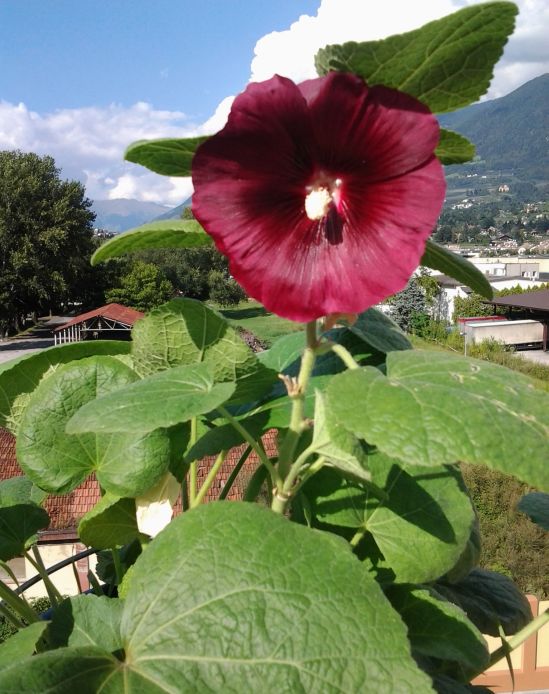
(109, 322)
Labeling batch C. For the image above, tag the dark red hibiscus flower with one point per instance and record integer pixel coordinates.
(321, 194)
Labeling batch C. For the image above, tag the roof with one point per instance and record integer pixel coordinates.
(117, 312)
(535, 301)
(66, 510)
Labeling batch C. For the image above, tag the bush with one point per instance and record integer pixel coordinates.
(511, 543)
(7, 629)
(224, 290)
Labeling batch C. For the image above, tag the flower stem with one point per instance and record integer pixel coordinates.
(345, 356)
(193, 472)
(295, 429)
(17, 604)
(234, 473)
(212, 474)
(53, 594)
(255, 445)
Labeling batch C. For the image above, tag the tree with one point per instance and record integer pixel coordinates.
(142, 288)
(46, 238)
(408, 307)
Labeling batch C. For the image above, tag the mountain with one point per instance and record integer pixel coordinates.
(175, 212)
(122, 214)
(510, 133)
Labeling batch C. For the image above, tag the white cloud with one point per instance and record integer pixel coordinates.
(88, 143)
(291, 52)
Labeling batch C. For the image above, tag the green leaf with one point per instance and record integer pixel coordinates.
(16, 490)
(422, 525)
(470, 556)
(536, 506)
(283, 352)
(24, 374)
(438, 258)
(446, 64)
(379, 331)
(262, 624)
(87, 620)
(449, 408)
(169, 156)
(439, 629)
(18, 527)
(225, 437)
(454, 148)
(110, 523)
(125, 464)
(184, 332)
(172, 233)
(159, 401)
(21, 644)
(87, 670)
(489, 600)
(340, 448)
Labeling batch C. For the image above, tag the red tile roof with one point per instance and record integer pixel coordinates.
(117, 312)
(66, 510)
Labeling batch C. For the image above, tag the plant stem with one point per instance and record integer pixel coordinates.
(53, 594)
(95, 584)
(212, 474)
(357, 537)
(256, 447)
(295, 429)
(193, 471)
(17, 604)
(520, 637)
(118, 570)
(234, 473)
(345, 356)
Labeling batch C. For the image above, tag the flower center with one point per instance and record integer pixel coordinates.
(320, 197)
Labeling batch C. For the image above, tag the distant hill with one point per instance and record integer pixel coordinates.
(175, 212)
(510, 133)
(122, 214)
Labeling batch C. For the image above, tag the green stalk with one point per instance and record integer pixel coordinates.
(212, 474)
(345, 356)
(255, 445)
(95, 584)
(519, 638)
(17, 604)
(193, 469)
(295, 429)
(234, 474)
(53, 594)
(118, 570)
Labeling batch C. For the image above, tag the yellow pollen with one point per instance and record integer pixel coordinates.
(317, 203)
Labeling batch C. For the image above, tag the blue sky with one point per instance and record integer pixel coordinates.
(82, 79)
(175, 54)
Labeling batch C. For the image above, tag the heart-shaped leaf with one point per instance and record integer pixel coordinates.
(18, 527)
(87, 620)
(536, 506)
(110, 523)
(21, 377)
(379, 332)
(185, 332)
(125, 464)
(449, 408)
(439, 629)
(446, 64)
(421, 526)
(158, 401)
(21, 644)
(490, 601)
(172, 233)
(168, 156)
